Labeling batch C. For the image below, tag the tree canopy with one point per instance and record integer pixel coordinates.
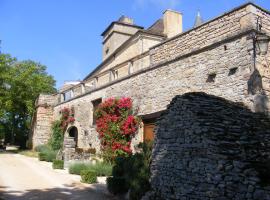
(20, 84)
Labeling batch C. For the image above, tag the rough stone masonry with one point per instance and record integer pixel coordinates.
(208, 148)
(217, 57)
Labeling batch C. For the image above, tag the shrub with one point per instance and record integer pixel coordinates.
(101, 168)
(47, 155)
(57, 137)
(76, 168)
(135, 170)
(42, 148)
(58, 164)
(42, 156)
(117, 185)
(88, 176)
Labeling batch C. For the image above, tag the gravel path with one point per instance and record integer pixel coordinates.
(25, 178)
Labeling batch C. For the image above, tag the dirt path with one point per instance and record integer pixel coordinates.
(25, 178)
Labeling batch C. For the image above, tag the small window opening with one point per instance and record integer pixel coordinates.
(211, 78)
(107, 50)
(116, 74)
(225, 48)
(232, 71)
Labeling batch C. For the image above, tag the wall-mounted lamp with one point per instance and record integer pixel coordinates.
(261, 43)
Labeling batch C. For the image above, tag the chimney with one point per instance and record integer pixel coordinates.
(172, 23)
(126, 20)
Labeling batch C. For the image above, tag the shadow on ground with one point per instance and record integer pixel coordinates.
(68, 192)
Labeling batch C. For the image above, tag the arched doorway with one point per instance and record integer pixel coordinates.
(73, 133)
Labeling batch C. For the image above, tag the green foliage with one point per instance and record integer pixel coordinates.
(135, 170)
(20, 85)
(101, 168)
(2, 135)
(57, 137)
(47, 155)
(117, 185)
(42, 148)
(88, 176)
(76, 168)
(58, 164)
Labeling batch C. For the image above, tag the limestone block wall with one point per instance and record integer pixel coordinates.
(153, 89)
(216, 30)
(207, 147)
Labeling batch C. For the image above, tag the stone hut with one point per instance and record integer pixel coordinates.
(207, 147)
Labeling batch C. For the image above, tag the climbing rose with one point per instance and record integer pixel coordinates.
(116, 126)
(129, 126)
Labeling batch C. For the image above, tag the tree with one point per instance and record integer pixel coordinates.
(21, 83)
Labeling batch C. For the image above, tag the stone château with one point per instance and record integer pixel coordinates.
(220, 57)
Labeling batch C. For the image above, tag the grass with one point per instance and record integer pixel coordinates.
(100, 168)
(29, 153)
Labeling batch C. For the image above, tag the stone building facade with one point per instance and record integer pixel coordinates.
(152, 66)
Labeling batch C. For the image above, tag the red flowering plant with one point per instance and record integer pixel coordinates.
(116, 125)
(67, 117)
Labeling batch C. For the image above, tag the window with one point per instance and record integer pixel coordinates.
(95, 106)
(211, 78)
(68, 95)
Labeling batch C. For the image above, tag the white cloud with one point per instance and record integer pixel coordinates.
(163, 4)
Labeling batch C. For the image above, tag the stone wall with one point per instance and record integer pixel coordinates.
(154, 89)
(185, 63)
(42, 120)
(227, 25)
(207, 148)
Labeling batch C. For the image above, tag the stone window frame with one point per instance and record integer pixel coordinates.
(68, 97)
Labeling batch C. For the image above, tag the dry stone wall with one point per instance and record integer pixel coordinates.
(209, 148)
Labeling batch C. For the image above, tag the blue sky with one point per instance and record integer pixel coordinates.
(65, 36)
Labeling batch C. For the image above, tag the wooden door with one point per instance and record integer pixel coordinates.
(149, 131)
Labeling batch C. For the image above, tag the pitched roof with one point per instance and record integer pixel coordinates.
(157, 27)
(198, 20)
